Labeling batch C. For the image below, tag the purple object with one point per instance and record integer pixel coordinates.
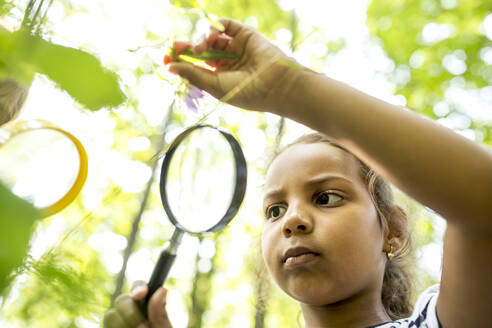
(192, 97)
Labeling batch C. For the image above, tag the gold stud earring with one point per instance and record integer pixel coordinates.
(390, 255)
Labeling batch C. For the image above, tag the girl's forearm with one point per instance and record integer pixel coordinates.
(431, 163)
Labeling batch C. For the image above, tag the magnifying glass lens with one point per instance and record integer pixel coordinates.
(39, 165)
(201, 180)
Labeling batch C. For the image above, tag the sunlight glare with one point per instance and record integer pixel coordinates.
(487, 26)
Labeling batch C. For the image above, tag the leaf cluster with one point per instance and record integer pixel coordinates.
(16, 220)
(420, 37)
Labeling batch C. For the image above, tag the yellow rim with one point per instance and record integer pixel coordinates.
(11, 130)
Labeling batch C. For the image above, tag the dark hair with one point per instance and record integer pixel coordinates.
(398, 281)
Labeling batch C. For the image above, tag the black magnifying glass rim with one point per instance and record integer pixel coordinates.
(240, 179)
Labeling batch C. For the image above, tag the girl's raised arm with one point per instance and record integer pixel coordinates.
(437, 167)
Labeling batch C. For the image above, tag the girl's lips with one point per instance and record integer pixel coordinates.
(298, 256)
(293, 262)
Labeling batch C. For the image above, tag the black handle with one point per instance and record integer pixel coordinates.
(158, 277)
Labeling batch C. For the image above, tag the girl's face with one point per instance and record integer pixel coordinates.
(321, 240)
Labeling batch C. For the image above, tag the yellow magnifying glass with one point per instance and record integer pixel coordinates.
(42, 164)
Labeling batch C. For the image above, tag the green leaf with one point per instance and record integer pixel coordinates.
(75, 71)
(15, 51)
(208, 54)
(16, 220)
(80, 74)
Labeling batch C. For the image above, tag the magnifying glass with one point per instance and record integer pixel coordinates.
(202, 186)
(42, 164)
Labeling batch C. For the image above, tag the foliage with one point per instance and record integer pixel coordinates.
(80, 74)
(17, 219)
(77, 72)
(268, 13)
(436, 46)
(67, 281)
(60, 280)
(22, 54)
(5, 7)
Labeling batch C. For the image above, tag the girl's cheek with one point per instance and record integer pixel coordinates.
(266, 244)
(268, 233)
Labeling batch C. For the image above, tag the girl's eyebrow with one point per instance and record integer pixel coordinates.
(325, 178)
(313, 181)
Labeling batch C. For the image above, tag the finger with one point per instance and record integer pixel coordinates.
(180, 46)
(157, 309)
(241, 34)
(201, 46)
(199, 77)
(143, 325)
(206, 41)
(231, 27)
(215, 40)
(139, 289)
(222, 41)
(212, 33)
(128, 310)
(112, 319)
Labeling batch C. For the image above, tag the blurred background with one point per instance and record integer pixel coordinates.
(431, 56)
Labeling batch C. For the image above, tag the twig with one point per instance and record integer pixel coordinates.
(133, 234)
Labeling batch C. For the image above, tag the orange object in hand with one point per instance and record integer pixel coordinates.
(167, 59)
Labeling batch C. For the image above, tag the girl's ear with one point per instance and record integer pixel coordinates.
(397, 229)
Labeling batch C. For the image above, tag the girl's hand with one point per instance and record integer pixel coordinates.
(256, 80)
(126, 314)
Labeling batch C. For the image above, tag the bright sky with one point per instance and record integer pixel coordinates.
(110, 27)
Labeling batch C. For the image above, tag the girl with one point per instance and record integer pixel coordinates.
(333, 239)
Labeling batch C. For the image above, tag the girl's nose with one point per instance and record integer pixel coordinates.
(296, 221)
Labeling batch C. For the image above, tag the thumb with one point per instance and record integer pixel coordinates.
(157, 309)
(139, 290)
(199, 77)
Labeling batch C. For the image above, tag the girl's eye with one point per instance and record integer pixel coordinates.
(275, 211)
(328, 198)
